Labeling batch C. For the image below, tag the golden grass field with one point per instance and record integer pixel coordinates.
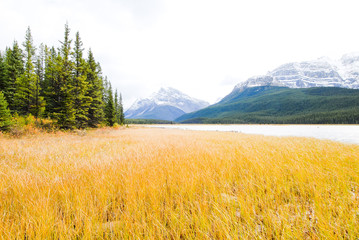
(142, 183)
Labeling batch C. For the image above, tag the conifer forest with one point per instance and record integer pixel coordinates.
(64, 84)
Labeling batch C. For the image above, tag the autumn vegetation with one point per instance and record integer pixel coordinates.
(143, 183)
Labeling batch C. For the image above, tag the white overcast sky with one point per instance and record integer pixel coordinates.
(201, 47)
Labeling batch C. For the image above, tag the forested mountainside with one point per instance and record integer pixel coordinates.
(268, 104)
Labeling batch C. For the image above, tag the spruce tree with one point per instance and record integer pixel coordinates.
(38, 103)
(82, 100)
(3, 80)
(120, 106)
(119, 109)
(117, 113)
(64, 111)
(39, 66)
(105, 89)
(14, 67)
(95, 112)
(110, 112)
(5, 116)
(25, 95)
(74, 90)
(50, 85)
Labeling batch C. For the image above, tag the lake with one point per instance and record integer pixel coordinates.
(340, 133)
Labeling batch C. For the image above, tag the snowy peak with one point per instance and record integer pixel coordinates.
(350, 58)
(258, 81)
(167, 104)
(317, 73)
(173, 97)
(322, 72)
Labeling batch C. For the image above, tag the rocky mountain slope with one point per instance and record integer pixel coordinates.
(319, 91)
(166, 104)
(323, 72)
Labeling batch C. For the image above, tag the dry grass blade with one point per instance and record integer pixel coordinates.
(155, 183)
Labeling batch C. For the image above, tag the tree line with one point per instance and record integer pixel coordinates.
(60, 84)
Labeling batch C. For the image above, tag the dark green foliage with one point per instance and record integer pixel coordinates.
(25, 84)
(58, 84)
(52, 83)
(14, 67)
(95, 113)
(82, 100)
(38, 105)
(117, 110)
(65, 111)
(3, 80)
(120, 111)
(282, 105)
(110, 111)
(120, 117)
(27, 97)
(5, 116)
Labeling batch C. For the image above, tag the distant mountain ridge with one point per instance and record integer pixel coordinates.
(265, 99)
(278, 105)
(318, 91)
(323, 72)
(166, 104)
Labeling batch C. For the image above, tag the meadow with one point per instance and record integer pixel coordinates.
(143, 183)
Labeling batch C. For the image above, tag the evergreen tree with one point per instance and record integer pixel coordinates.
(117, 113)
(120, 106)
(110, 112)
(38, 101)
(82, 100)
(14, 67)
(3, 80)
(25, 95)
(51, 83)
(73, 89)
(39, 66)
(119, 109)
(95, 112)
(105, 89)
(5, 116)
(65, 111)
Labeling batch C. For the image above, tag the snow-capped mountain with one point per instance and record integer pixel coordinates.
(166, 104)
(322, 72)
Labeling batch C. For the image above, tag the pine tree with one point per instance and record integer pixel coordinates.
(5, 116)
(95, 113)
(82, 101)
(110, 112)
(14, 67)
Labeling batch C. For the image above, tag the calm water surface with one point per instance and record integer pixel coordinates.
(341, 133)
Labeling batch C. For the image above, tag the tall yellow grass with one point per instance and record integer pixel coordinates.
(154, 183)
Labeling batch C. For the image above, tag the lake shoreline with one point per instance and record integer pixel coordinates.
(345, 133)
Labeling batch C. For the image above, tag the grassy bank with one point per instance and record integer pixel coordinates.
(157, 183)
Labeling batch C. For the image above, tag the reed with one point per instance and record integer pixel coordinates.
(140, 183)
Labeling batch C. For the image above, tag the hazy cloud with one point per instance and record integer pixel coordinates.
(201, 47)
